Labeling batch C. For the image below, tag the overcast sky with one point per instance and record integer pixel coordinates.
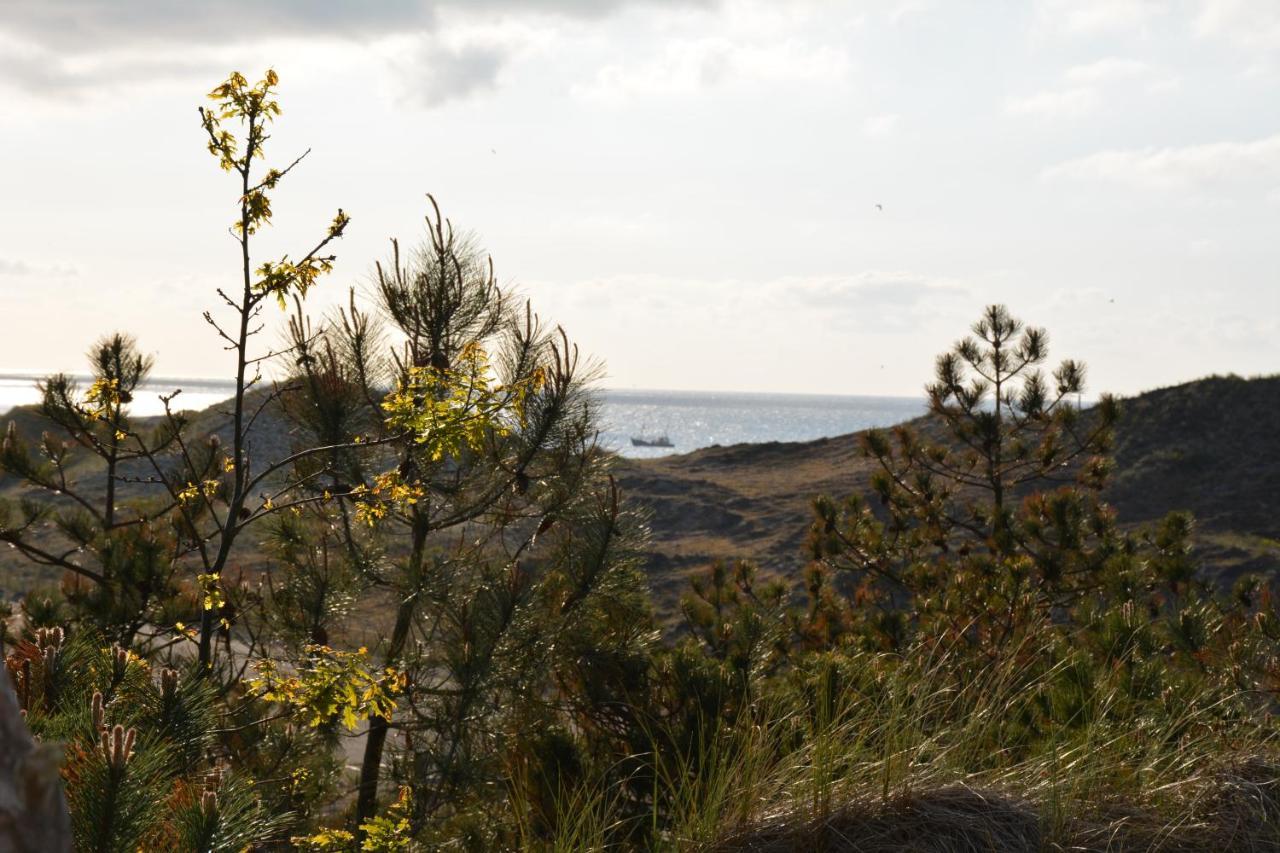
(690, 188)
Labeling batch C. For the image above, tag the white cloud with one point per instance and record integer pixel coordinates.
(1085, 86)
(1055, 104)
(904, 9)
(10, 267)
(879, 296)
(875, 300)
(1179, 168)
(735, 326)
(1107, 70)
(686, 66)
(1248, 23)
(881, 125)
(1092, 17)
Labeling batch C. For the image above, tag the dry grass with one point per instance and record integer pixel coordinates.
(928, 761)
(1234, 809)
(955, 818)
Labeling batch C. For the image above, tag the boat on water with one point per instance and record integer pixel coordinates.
(651, 441)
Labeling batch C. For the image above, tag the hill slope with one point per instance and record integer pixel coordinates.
(1211, 447)
(269, 439)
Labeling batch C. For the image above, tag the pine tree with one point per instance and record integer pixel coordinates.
(739, 621)
(463, 484)
(134, 739)
(989, 513)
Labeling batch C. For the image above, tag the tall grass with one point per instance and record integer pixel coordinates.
(874, 752)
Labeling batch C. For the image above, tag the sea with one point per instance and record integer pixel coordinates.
(696, 419)
(690, 420)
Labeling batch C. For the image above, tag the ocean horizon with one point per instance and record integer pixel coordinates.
(690, 420)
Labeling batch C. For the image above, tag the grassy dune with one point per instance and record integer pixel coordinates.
(1210, 446)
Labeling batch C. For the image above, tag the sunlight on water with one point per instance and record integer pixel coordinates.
(196, 393)
(695, 419)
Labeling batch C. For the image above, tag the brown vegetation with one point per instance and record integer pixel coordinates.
(1208, 446)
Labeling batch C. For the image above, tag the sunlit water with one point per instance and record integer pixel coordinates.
(20, 390)
(695, 419)
(690, 419)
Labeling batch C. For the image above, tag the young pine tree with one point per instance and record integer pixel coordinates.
(465, 507)
(989, 514)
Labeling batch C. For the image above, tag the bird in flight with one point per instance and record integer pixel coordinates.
(880, 207)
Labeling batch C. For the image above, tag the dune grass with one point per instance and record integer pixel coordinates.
(926, 754)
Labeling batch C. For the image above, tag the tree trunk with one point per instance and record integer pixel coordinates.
(375, 741)
(33, 811)
(371, 767)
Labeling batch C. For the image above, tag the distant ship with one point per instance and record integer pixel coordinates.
(654, 441)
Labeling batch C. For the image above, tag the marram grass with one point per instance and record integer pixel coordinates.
(927, 762)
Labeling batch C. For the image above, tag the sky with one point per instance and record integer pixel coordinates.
(778, 196)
